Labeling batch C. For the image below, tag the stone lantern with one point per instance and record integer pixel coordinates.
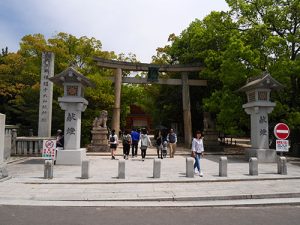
(258, 107)
(73, 102)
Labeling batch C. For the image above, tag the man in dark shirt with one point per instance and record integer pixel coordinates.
(135, 137)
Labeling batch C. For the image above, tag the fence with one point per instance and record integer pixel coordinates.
(23, 146)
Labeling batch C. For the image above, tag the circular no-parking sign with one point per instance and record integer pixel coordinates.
(49, 144)
(281, 131)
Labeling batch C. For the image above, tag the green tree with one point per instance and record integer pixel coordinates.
(207, 42)
(272, 28)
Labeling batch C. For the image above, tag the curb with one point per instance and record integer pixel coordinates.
(190, 199)
(81, 181)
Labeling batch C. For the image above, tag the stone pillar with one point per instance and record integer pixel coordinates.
(72, 154)
(117, 105)
(14, 141)
(260, 133)
(46, 95)
(281, 165)
(223, 166)
(156, 168)
(48, 169)
(259, 126)
(85, 169)
(3, 169)
(121, 169)
(73, 103)
(186, 105)
(253, 166)
(189, 167)
(258, 106)
(72, 131)
(2, 134)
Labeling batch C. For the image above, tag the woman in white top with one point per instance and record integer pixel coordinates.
(197, 151)
(113, 143)
(144, 143)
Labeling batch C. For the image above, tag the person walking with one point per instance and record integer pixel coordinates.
(145, 143)
(172, 140)
(197, 152)
(158, 143)
(126, 141)
(113, 141)
(135, 137)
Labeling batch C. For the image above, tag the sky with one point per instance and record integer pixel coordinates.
(122, 26)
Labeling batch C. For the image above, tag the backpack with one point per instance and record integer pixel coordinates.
(172, 138)
(112, 138)
(126, 140)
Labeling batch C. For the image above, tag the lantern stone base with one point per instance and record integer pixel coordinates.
(211, 143)
(262, 155)
(99, 140)
(70, 157)
(98, 148)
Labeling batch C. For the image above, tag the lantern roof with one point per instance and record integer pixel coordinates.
(71, 75)
(263, 81)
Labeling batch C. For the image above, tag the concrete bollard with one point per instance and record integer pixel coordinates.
(156, 168)
(223, 166)
(253, 166)
(121, 170)
(85, 169)
(281, 165)
(48, 169)
(190, 167)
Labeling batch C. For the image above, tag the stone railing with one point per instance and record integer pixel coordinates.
(8, 139)
(28, 145)
(25, 146)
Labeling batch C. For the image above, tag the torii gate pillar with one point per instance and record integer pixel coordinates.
(117, 106)
(186, 105)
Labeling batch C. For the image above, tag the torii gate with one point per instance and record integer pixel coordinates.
(118, 66)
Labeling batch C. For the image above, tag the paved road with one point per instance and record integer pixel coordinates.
(30, 215)
(139, 188)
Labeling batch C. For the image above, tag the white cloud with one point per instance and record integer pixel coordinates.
(123, 26)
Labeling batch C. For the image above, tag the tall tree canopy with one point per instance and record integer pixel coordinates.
(254, 36)
(20, 77)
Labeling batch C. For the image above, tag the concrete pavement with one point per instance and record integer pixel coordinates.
(139, 188)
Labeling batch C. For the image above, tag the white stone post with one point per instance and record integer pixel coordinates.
(121, 169)
(3, 169)
(223, 166)
(253, 166)
(189, 167)
(156, 168)
(2, 133)
(46, 95)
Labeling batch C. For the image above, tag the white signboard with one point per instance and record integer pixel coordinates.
(282, 145)
(49, 147)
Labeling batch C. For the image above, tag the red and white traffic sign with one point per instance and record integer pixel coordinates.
(281, 131)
